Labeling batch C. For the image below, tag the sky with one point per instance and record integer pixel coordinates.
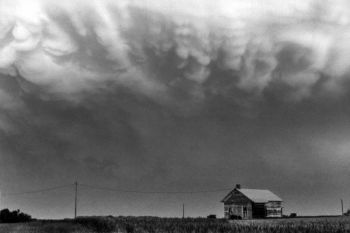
(173, 96)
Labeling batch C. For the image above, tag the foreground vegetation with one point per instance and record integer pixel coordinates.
(175, 225)
(7, 216)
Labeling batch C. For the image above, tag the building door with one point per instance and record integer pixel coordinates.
(245, 212)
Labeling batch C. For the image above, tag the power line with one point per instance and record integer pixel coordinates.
(37, 190)
(75, 185)
(153, 192)
(43, 190)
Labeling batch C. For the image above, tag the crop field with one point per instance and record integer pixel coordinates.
(176, 225)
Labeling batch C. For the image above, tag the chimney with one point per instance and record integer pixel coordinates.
(238, 186)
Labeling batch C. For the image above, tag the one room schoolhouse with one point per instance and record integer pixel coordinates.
(252, 203)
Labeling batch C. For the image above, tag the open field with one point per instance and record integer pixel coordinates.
(174, 225)
(43, 227)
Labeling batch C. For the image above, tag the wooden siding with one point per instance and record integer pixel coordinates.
(273, 209)
(237, 198)
(238, 206)
(241, 211)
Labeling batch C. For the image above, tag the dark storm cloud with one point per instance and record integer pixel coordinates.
(157, 97)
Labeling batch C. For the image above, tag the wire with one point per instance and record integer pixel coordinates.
(153, 192)
(37, 191)
(113, 190)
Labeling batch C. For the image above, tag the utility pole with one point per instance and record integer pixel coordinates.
(183, 210)
(76, 199)
(342, 207)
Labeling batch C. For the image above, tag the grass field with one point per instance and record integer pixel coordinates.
(174, 225)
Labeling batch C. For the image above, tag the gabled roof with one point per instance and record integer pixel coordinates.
(256, 195)
(260, 195)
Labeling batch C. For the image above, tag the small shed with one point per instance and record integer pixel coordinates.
(251, 203)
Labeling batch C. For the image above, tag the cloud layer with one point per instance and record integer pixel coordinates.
(69, 48)
(181, 94)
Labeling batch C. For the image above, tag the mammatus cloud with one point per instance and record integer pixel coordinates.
(144, 93)
(70, 48)
(166, 53)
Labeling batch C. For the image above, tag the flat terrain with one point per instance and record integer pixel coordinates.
(175, 225)
(42, 227)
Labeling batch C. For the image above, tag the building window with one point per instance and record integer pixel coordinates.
(245, 212)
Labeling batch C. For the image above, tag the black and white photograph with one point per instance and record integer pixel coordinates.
(174, 116)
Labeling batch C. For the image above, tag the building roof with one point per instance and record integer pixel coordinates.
(256, 195)
(260, 195)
